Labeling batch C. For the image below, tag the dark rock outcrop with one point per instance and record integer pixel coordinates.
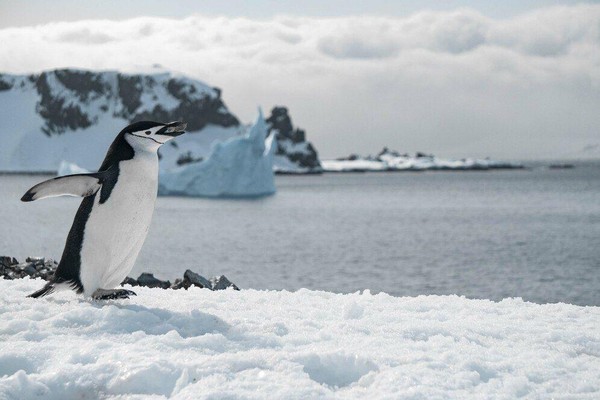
(70, 99)
(5, 85)
(188, 158)
(196, 279)
(58, 113)
(40, 267)
(190, 279)
(291, 143)
(148, 280)
(33, 267)
(221, 283)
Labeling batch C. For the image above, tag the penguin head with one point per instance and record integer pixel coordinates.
(150, 134)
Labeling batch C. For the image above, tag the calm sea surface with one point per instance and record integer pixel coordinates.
(533, 234)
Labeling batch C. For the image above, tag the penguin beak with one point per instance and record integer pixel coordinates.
(173, 129)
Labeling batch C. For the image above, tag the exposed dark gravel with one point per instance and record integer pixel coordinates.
(40, 267)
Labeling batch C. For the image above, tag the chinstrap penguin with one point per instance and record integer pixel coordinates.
(113, 219)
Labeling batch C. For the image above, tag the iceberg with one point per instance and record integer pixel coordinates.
(241, 166)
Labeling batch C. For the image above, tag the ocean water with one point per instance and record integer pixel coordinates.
(530, 233)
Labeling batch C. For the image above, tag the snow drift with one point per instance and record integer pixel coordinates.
(199, 344)
(239, 167)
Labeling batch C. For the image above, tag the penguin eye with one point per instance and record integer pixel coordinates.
(147, 132)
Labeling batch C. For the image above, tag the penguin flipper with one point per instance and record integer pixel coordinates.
(81, 185)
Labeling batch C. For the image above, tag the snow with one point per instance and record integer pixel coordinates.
(392, 161)
(199, 344)
(282, 164)
(353, 165)
(241, 166)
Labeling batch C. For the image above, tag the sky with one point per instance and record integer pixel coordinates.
(511, 79)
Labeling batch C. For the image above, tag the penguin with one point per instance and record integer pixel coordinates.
(113, 219)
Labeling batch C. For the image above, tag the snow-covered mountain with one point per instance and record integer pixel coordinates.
(73, 115)
(294, 155)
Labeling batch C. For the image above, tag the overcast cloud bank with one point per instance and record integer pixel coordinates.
(454, 83)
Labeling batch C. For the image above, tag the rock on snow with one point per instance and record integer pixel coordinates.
(239, 167)
(200, 344)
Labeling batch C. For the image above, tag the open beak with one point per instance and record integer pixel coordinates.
(175, 128)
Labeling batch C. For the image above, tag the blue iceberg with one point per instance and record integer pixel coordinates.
(238, 167)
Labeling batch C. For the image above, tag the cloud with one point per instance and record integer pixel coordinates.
(82, 35)
(356, 46)
(458, 83)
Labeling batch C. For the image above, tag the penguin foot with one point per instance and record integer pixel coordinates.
(105, 294)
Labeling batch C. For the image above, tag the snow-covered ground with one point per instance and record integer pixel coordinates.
(199, 344)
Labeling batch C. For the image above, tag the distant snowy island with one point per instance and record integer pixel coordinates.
(389, 160)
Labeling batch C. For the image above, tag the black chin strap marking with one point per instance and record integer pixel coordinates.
(146, 137)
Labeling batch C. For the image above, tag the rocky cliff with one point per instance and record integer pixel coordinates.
(294, 153)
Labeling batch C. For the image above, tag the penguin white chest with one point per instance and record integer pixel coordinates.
(116, 229)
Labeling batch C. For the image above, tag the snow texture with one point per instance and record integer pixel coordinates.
(241, 166)
(199, 344)
(358, 165)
